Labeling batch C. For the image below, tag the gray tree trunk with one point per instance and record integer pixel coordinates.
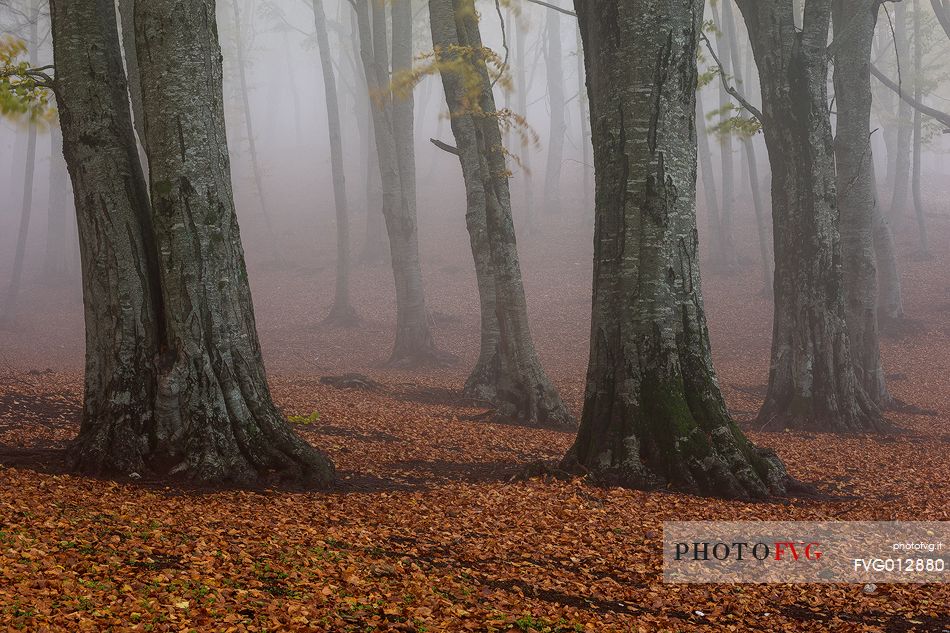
(653, 413)
(588, 218)
(812, 383)
(709, 179)
(56, 262)
(127, 22)
(342, 311)
(521, 102)
(375, 241)
(121, 292)
(905, 128)
(748, 149)
(854, 24)
(554, 71)
(508, 372)
(725, 256)
(918, 131)
(414, 344)
(241, 66)
(8, 307)
(215, 420)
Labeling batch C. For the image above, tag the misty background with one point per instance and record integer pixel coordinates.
(277, 128)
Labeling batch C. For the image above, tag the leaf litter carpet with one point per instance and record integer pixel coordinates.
(426, 531)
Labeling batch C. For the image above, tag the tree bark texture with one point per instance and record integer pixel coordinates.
(653, 413)
(509, 372)
(812, 383)
(414, 344)
(215, 420)
(342, 311)
(854, 24)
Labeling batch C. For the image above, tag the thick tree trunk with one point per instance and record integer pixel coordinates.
(653, 413)
(56, 262)
(554, 71)
(121, 295)
(342, 311)
(414, 344)
(215, 420)
(127, 22)
(811, 380)
(510, 374)
(854, 22)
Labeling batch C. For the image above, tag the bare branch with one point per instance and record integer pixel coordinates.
(444, 146)
(937, 115)
(732, 91)
(554, 7)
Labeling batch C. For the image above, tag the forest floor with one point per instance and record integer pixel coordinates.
(426, 532)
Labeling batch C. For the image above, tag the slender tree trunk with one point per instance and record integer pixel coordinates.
(8, 307)
(918, 130)
(748, 149)
(414, 344)
(709, 180)
(215, 420)
(812, 383)
(726, 256)
(890, 303)
(56, 263)
(854, 23)
(375, 241)
(512, 377)
(653, 413)
(342, 312)
(241, 63)
(121, 294)
(902, 162)
(521, 90)
(554, 72)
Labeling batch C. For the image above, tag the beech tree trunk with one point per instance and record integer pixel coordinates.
(748, 149)
(8, 307)
(653, 413)
(241, 64)
(854, 24)
(414, 344)
(127, 22)
(918, 131)
(215, 420)
(121, 291)
(709, 179)
(726, 255)
(905, 128)
(508, 372)
(554, 71)
(342, 311)
(812, 383)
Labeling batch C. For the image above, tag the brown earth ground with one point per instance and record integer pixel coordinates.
(426, 532)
